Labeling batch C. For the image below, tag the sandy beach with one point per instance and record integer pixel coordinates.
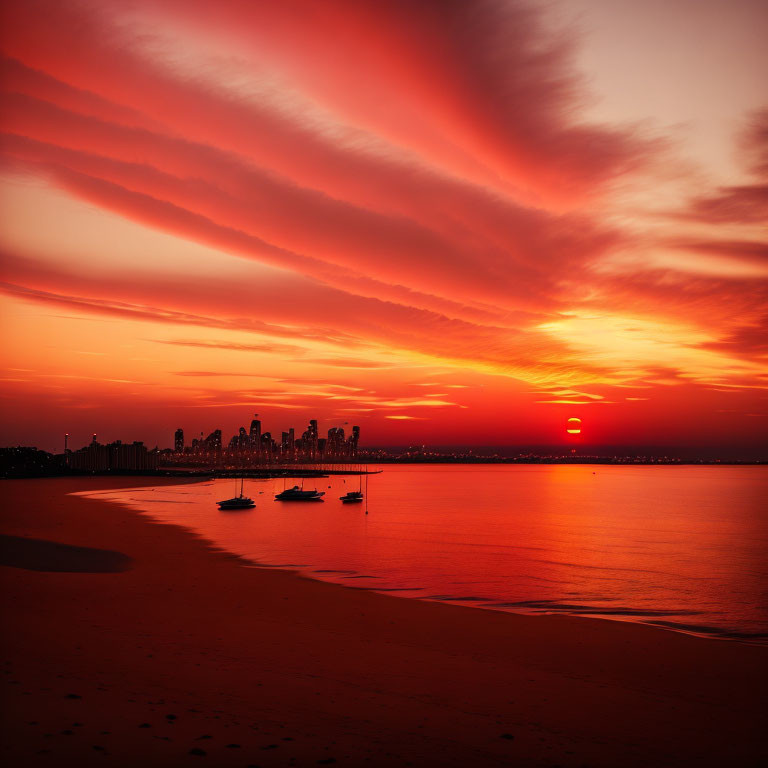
(128, 642)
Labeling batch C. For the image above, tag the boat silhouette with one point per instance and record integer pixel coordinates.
(299, 494)
(237, 502)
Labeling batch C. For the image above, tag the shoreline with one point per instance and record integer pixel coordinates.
(293, 667)
(323, 575)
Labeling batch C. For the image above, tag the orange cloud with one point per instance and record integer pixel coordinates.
(436, 205)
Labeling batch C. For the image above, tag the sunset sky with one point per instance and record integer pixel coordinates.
(447, 221)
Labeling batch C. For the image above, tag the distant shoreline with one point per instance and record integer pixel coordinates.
(194, 473)
(289, 471)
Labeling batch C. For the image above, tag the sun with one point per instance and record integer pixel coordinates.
(573, 426)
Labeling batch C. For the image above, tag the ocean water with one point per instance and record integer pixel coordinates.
(685, 548)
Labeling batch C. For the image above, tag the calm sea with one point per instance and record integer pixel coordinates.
(681, 547)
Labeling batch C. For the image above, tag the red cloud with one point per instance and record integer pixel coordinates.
(424, 185)
(745, 203)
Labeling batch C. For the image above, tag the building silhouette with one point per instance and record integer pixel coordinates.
(255, 434)
(115, 456)
(256, 447)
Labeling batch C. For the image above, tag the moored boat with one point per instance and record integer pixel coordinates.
(299, 494)
(237, 502)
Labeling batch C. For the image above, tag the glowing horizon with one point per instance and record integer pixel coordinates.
(447, 222)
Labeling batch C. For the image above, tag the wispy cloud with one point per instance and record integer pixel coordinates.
(480, 228)
(228, 345)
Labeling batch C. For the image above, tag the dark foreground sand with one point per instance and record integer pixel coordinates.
(155, 650)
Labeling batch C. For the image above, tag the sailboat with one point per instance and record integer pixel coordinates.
(237, 502)
(353, 497)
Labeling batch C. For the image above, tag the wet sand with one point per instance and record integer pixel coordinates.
(136, 643)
